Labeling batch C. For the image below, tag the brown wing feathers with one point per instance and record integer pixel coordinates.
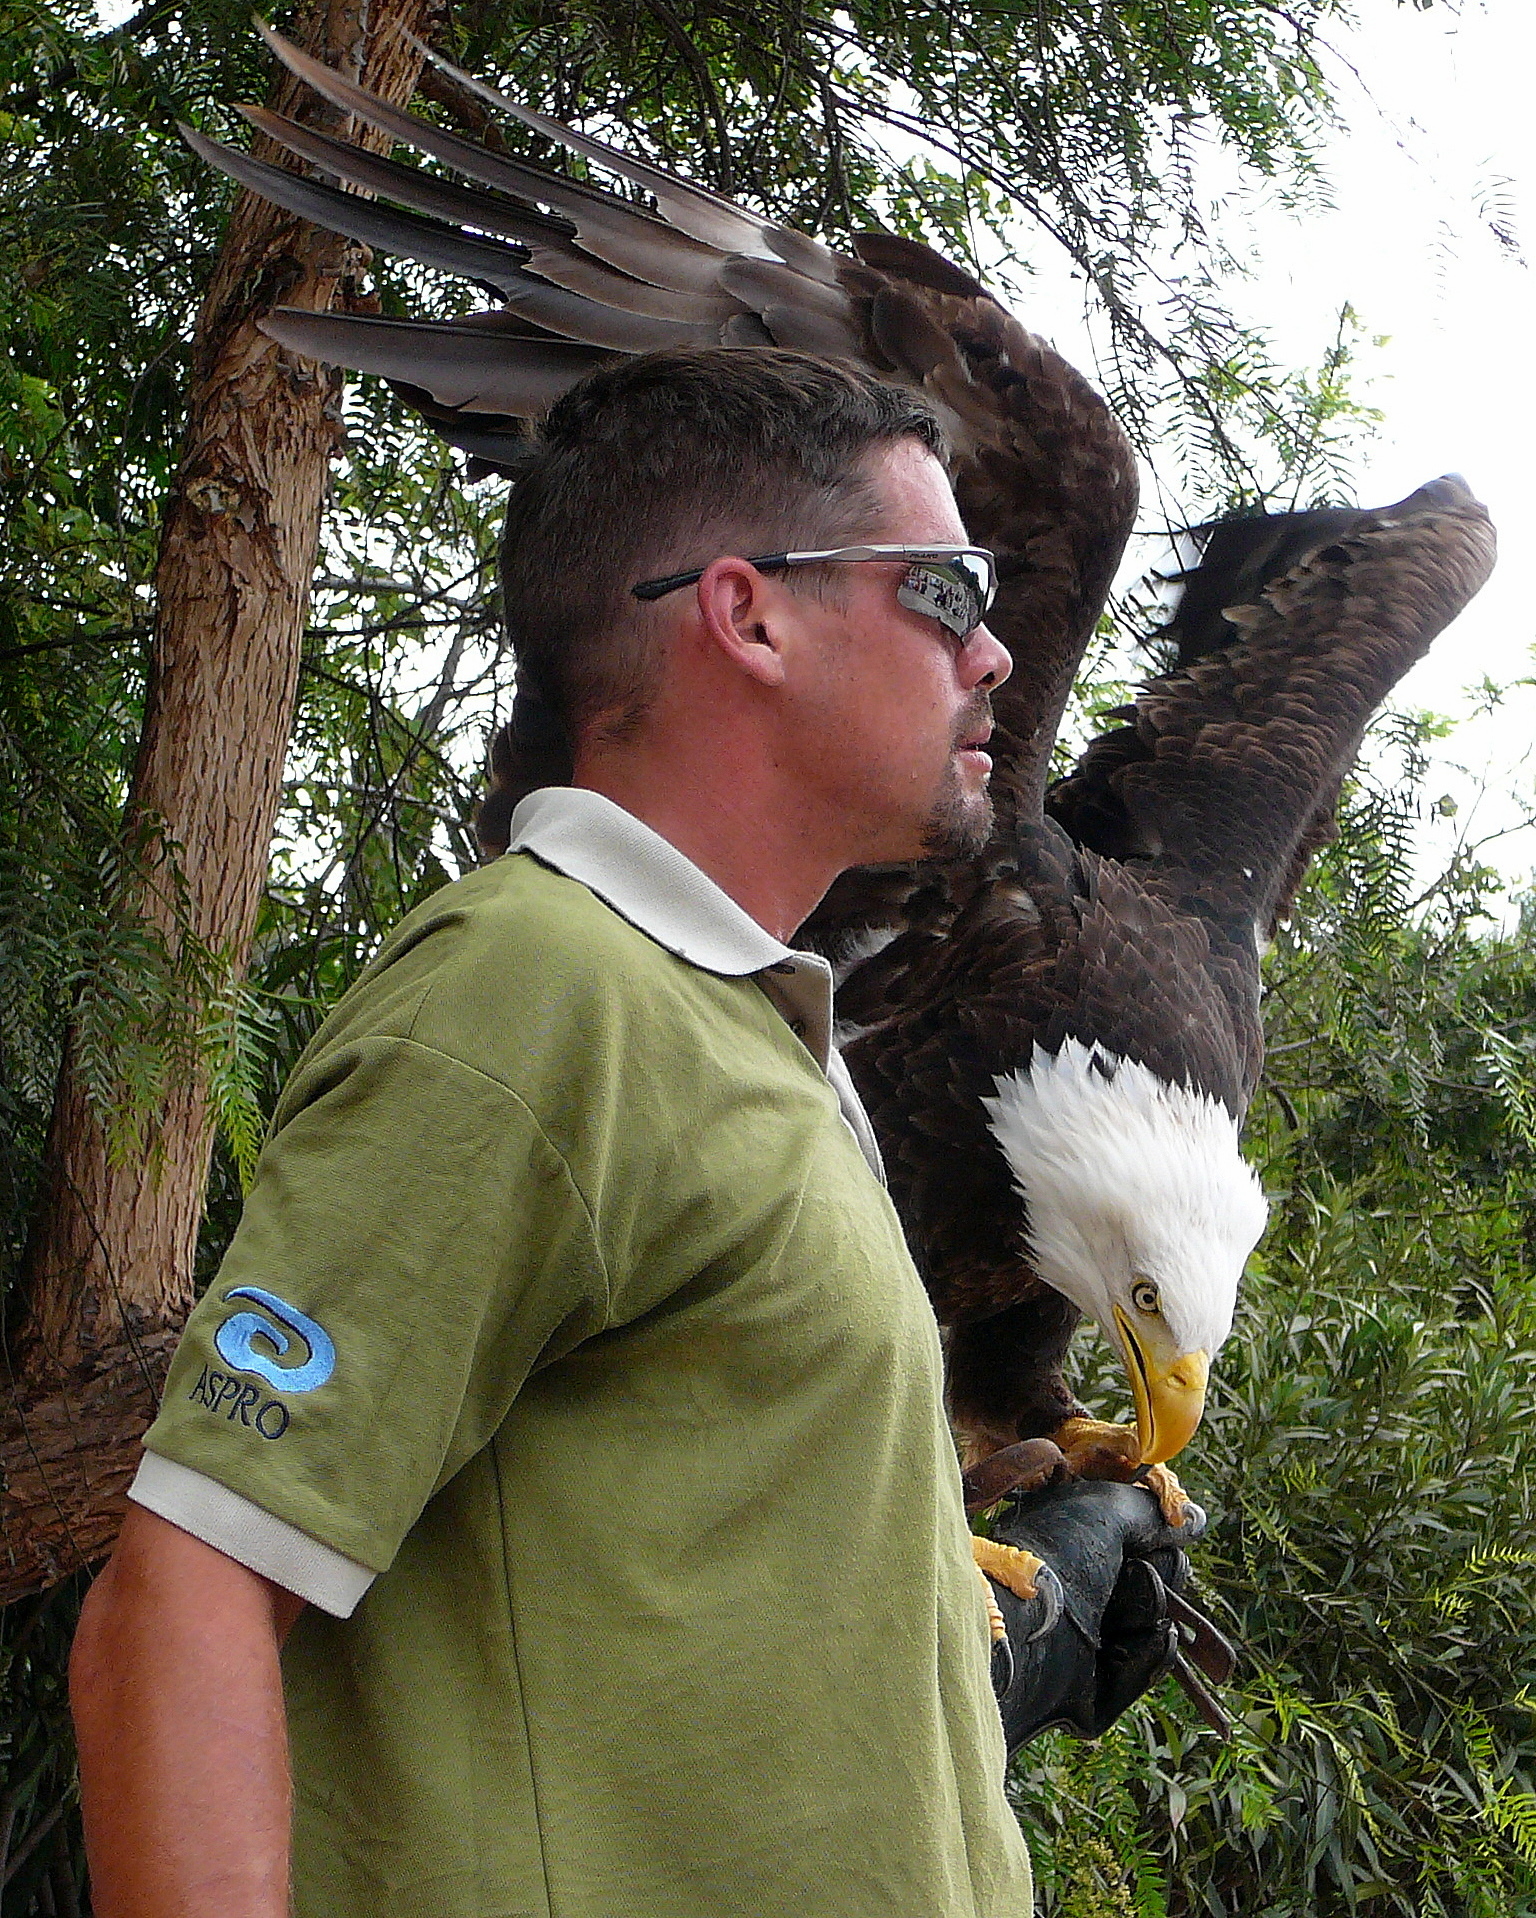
(647, 248)
(714, 221)
(1290, 638)
(471, 369)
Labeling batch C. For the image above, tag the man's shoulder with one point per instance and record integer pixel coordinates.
(508, 954)
(516, 913)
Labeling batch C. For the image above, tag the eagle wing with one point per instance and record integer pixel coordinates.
(1225, 775)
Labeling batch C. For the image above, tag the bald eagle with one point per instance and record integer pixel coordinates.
(1058, 1039)
(1059, 1064)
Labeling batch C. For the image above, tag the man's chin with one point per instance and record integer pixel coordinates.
(959, 826)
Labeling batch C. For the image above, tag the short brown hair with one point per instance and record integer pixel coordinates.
(662, 462)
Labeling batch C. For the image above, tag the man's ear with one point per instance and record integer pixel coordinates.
(747, 615)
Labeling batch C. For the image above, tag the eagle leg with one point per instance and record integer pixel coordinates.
(1094, 1449)
(1005, 1379)
(1026, 1466)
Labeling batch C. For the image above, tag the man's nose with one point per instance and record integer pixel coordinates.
(984, 660)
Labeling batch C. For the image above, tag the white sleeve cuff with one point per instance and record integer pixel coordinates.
(250, 1536)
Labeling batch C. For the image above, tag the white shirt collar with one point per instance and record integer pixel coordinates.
(645, 879)
(662, 893)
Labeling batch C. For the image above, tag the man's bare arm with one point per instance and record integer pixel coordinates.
(178, 1706)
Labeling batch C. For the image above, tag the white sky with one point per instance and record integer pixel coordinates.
(1441, 134)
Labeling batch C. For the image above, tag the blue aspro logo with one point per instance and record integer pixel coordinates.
(235, 1343)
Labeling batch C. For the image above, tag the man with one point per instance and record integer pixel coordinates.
(567, 1399)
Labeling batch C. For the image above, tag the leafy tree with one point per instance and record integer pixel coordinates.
(1082, 120)
(110, 1253)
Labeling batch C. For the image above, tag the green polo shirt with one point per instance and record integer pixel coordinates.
(570, 1345)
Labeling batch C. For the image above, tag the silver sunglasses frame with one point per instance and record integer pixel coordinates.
(650, 589)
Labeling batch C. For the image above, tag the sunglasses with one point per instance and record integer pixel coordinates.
(955, 585)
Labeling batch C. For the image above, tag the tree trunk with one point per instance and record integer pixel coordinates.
(109, 1270)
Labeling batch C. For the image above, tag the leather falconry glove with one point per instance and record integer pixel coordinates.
(1100, 1630)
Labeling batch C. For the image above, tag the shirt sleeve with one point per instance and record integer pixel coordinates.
(413, 1248)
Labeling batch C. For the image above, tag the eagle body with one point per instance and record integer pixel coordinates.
(1057, 1080)
(1057, 1040)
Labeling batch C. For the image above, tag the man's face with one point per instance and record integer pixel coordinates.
(894, 708)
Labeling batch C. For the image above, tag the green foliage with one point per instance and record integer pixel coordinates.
(41, 1868)
(94, 272)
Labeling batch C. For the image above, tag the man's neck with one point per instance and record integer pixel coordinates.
(730, 828)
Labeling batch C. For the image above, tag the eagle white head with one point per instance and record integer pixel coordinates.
(1142, 1212)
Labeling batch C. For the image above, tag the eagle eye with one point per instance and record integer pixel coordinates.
(1144, 1296)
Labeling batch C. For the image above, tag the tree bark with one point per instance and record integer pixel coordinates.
(109, 1268)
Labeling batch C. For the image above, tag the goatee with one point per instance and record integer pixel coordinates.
(961, 822)
(959, 825)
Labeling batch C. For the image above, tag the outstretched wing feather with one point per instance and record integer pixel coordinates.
(1228, 768)
(694, 210)
(469, 369)
(610, 228)
(422, 192)
(917, 265)
(593, 322)
(1054, 484)
(489, 262)
(599, 324)
(1238, 558)
(550, 239)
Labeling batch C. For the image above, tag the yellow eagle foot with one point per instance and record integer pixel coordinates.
(1093, 1449)
(1009, 1566)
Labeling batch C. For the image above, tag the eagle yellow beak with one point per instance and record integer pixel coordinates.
(1169, 1389)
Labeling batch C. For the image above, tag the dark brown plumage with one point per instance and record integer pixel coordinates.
(1097, 966)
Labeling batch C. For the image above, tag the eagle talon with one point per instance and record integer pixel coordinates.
(1094, 1449)
(1176, 1503)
